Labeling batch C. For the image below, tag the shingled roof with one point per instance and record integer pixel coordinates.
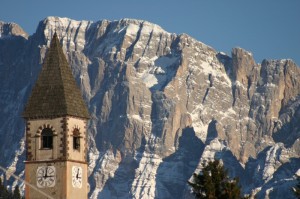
(55, 93)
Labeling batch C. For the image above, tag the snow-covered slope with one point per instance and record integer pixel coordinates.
(161, 104)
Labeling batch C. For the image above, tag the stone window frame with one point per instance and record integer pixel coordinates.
(39, 134)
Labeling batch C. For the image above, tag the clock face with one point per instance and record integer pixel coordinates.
(76, 176)
(45, 176)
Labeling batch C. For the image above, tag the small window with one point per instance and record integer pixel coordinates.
(47, 138)
(76, 143)
(76, 139)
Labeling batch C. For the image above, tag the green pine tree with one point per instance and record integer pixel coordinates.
(296, 189)
(232, 189)
(16, 193)
(214, 183)
(6, 194)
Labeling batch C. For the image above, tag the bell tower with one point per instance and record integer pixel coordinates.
(56, 136)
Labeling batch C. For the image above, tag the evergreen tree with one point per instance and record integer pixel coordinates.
(7, 194)
(16, 194)
(296, 189)
(4, 192)
(214, 183)
(1, 189)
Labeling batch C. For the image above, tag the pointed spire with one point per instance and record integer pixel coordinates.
(55, 93)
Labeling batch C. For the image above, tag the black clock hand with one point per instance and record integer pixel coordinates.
(43, 174)
(77, 175)
(46, 176)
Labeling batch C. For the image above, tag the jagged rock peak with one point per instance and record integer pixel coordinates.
(243, 65)
(68, 29)
(11, 29)
(59, 24)
(128, 21)
(239, 50)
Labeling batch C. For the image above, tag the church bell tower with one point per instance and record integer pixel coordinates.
(56, 132)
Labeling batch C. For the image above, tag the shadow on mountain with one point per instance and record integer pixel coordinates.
(119, 186)
(254, 171)
(255, 175)
(288, 133)
(175, 170)
(232, 165)
(278, 188)
(212, 132)
(161, 108)
(227, 62)
(112, 100)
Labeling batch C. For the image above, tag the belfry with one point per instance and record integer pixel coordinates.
(56, 132)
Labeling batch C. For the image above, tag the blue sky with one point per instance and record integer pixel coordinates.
(268, 28)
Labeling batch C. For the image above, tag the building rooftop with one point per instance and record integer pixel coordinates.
(55, 93)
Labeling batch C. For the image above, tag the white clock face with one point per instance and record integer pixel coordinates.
(76, 177)
(45, 176)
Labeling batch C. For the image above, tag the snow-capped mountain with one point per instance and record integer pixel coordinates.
(161, 104)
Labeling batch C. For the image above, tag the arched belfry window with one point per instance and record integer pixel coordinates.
(47, 138)
(76, 139)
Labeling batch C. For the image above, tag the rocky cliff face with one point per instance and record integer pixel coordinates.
(11, 29)
(161, 105)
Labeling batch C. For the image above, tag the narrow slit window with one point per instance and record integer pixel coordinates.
(76, 139)
(76, 143)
